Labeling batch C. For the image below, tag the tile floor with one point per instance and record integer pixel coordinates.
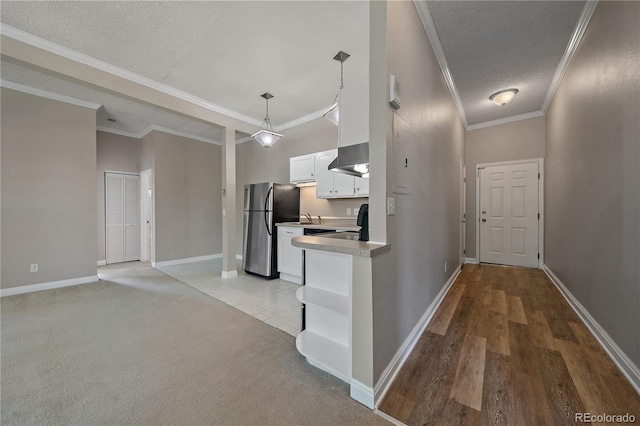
(271, 301)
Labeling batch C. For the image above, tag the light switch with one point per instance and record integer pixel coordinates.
(224, 212)
(391, 206)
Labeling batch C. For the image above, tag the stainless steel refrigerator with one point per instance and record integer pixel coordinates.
(266, 204)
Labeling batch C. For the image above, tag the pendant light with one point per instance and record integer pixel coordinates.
(333, 114)
(266, 136)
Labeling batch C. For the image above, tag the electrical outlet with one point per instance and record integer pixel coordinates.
(348, 211)
(34, 267)
(356, 211)
(391, 206)
(445, 266)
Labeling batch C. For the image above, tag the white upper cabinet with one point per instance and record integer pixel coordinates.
(362, 187)
(302, 169)
(331, 184)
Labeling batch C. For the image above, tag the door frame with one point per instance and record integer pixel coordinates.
(145, 235)
(463, 212)
(540, 162)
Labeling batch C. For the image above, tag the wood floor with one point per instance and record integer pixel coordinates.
(504, 348)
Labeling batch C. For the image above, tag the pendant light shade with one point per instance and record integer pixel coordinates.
(333, 114)
(503, 97)
(266, 136)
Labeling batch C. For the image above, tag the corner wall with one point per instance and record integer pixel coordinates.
(187, 194)
(592, 180)
(48, 190)
(520, 140)
(424, 233)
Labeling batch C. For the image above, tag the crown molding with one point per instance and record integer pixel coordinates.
(572, 47)
(162, 129)
(117, 132)
(301, 120)
(49, 46)
(506, 120)
(434, 39)
(49, 95)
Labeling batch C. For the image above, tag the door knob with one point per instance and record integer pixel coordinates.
(484, 212)
(484, 220)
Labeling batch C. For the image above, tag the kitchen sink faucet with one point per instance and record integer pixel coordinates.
(308, 216)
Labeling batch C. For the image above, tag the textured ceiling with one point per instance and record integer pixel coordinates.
(227, 53)
(494, 45)
(131, 117)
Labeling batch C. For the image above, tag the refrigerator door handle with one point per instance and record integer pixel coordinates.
(266, 206)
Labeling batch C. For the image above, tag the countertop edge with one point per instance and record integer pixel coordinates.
(355, 248)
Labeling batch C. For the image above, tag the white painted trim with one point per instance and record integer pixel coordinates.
(471, 260)
(186, 260)
(389, 374)
(47, 286)
(122, 173)
(572, 47)
(46, 94)
(102, 262)
(152, 127)
(229, 274)
(506, 120)
(540, 162)
(361, 393)
(434, 39)
(291, 278)
(617, 355)
(301, 120)
(117, 132)
(389, 418)
(49, 46)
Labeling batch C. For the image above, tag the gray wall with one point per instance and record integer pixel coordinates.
(424, 233)
(187, 192)
(257, 164)
(114, 153)
(519, 140)
(592, 184)
(48, 190)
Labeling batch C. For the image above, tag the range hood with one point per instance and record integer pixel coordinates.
(352, 160)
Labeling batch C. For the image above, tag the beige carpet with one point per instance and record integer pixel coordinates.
(143, 348)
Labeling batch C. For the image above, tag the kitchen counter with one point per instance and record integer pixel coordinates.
(342, 242)
(338, 226)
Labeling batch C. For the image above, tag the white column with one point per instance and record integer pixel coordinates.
(229, 203)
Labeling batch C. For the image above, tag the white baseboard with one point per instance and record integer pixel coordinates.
(291, 278)
(229, 274)
(392, 370)
(361, 393)
(186, 260)
(472, 260)
(628, 368)
(47, 286)
(102, 262)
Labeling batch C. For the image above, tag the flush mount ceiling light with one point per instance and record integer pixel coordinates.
(503, 97)
(333, 114)
(266, 136)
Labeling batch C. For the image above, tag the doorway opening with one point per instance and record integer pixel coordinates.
(509, 209)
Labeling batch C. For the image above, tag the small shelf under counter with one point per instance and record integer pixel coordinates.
(326, 299)
(325, 354)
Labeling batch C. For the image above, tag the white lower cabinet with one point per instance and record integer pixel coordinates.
(289, 257)
(326, 340)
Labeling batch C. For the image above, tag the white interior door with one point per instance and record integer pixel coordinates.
(145, 215)
(114, 217)
(463, 211)
(508, 216)
(122, 217)
(131, 218)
